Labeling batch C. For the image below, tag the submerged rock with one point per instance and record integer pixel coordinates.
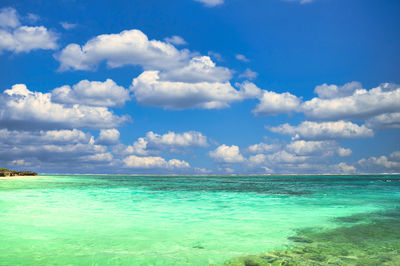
(250, 262)
(299, 239)
(376, 241)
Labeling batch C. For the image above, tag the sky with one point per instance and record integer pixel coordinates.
(200, 87)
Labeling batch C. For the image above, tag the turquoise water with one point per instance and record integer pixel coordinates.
(149, 220)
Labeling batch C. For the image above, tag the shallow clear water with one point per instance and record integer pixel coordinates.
(133, 220)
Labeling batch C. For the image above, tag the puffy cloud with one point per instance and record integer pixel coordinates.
(344, 168)
(262, 148)
(391, 120)
(242, 58)
(95, 93)
(25, 39)
(20, 107)
(134, 161)
(198, 69)
(257, 159)
(389, 163)
(343, 152)
(272, 103)
(17, 38)
(151, 91)
(395, 156)
(173, 79)
(298, 157)
(174, 163)
(177, 40)
(98, 158)
(64, 136)
(108, 136)
(130, 47)
(249, 90)
(308, 147)
(56, 149)
(154, 143)
(326, 130)
(248, 74)
(227, 154)
(211, 3)
(186, 139)
(139, 147)
(326, 91)
(320, 148)
(286, 157)
(13, 137)
(360, 104)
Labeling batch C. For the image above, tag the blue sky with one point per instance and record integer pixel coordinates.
(200, 86)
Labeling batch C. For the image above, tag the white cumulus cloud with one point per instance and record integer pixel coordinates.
(154, 143)
(353, 102)
(257, 159)
(186, 139)
(325, 130)
(263, 148)
(108, 136)
(344, 168)
(52, 149)
(150, 162)
(383, 163)
(20, 107)
(227, 154)
(151, 91)
(319, 148)
(326, 91)
(18, 38)
(391, 120)
(130, 47)
(286, 157)
(94, 93)
(198, 69)
(272, 103)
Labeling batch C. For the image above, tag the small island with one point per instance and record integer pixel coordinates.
(6, 172)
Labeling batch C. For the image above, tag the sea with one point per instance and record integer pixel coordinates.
(200, 220)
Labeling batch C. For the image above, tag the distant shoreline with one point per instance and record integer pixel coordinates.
(14, 173)
(236, 175)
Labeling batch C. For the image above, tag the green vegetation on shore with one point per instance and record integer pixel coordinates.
(7, 172)
(372, 239)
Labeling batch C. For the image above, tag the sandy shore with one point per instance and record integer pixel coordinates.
(18, 177)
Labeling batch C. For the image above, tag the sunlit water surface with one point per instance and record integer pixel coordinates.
(149, 220)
